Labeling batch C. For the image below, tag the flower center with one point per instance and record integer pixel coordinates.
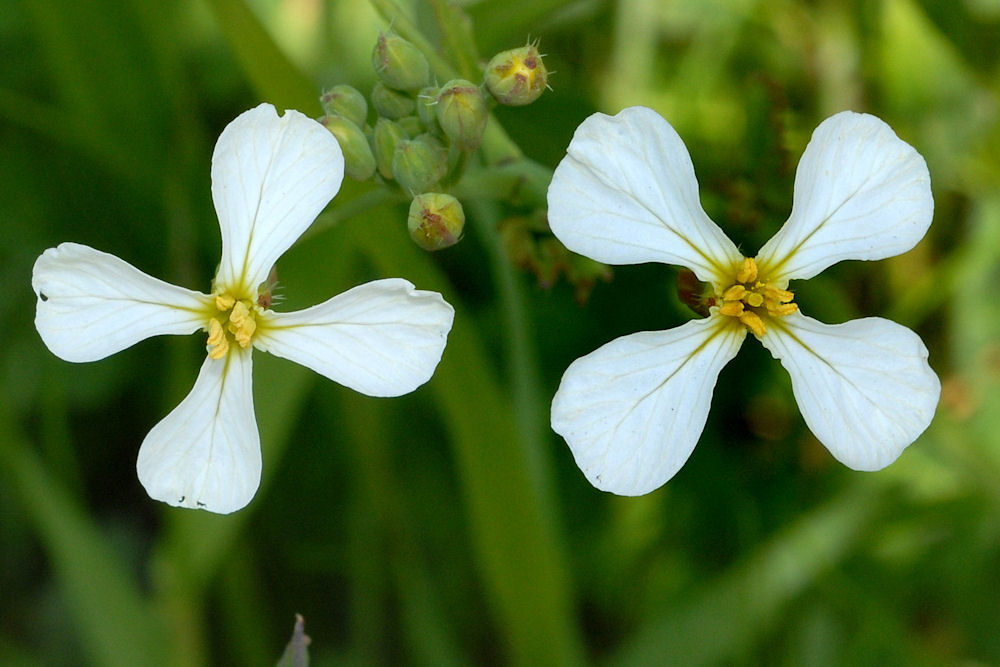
(752, 301)
(235, 320)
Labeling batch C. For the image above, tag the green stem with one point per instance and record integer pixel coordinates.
(458, 36)
(520, 182)
(520, 358)
(514, 535)
(345, 210)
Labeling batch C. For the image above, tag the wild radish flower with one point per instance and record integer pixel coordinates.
(271, 177)
(626, 193)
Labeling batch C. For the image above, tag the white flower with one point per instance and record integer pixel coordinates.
(626, 193)
(271, 177)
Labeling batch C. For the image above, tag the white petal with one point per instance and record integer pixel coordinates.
(861, 192)
(92, 304)
(864, 387)
(271, 177)
(205, 454)
(626, 193)
(383, 338)
(633, 410)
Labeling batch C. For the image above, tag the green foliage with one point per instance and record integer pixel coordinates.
(451, 526)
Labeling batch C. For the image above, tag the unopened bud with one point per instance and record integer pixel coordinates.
(412, 125)
(390, 103)
(418, 164)
(427, 109)
(461, 111)
(359, 162)
(399, 64)
(346, 101)
(435, 221)
(516, 77)
(387, 136)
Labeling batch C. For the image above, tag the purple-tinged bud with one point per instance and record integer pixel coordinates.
(435, 221)
(516, 77)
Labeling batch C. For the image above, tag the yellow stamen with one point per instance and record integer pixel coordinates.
(734, 293)
(748, 272)
(782, 309)
(217, 341)
(753, 322)
(731, 308)
(224, 301)
(752, 300)
(239, 325)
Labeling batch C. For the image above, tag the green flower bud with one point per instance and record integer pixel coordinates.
(516, 77)
(347, 102)
(412, 125)
(461, 111)
(435, 220)
(390, 103)
(387, 136)
(418, 164)
(359, 162)
(427, 109)
(399, 64)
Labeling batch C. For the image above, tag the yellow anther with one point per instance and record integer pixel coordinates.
(731, 308)
(752, 301)
(748, 272)
(239, 315)
(224, 301)
(780, 295)
(753, 322)
(217, 341)
(782, 309)
(734, 293)
(241, 324)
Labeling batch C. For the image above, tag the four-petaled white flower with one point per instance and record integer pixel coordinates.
(626, 193)
(271, 177)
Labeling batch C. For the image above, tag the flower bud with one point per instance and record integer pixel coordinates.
(399, 64)
(390, 103)
(516, 77)
(418, 164)
(435, 220)
(461, 111)
(387, 136)
(412, 125)
(427, 109)
(359, 162)
(345, 101)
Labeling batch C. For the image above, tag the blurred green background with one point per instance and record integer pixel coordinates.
(451, 526)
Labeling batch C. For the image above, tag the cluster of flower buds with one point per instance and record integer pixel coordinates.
(424, 132)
